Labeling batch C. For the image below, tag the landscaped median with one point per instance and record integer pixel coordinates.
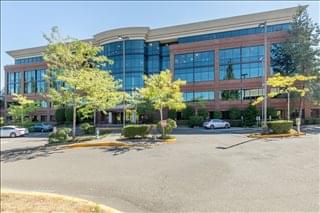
(20, 201)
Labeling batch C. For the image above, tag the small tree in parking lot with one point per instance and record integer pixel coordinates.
(163, 93)
(23, 108)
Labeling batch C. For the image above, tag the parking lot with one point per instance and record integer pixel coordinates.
(201, 171)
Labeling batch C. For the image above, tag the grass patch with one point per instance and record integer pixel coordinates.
(12, 201)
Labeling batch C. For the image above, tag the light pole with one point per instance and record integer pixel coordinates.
(265, 86)
(243, 75)
(124, 38)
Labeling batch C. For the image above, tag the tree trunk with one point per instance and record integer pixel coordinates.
(301, 103)
(288, 116)
(94, 117)
(74, 122)
(161, 117)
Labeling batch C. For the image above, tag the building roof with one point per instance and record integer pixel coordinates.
(172, 33)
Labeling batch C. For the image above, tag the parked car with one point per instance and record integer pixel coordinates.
(42, 127)
(216, 123)
(12, 131)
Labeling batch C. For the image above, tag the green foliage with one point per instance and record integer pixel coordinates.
(271, 111)
(195, 121)
(235, 123)
(312, 121)
(217, 115)
(76, 66)
(172, 114)
(60, 115)
(87, 128)
(300, 53)
(187, 112)
(203, 112)
(171, 124)
(182, 123)
(132, 131)
(1, 121)
(162, 92)
(145, 111)
(234, 113)
(68, 113)
(61, 136)
(23, 108)
(230, 95)
(250, 114)
(280, 126)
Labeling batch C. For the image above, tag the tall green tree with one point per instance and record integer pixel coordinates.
(300, 53)
(22, 108)
(74, 67)
(163, 93)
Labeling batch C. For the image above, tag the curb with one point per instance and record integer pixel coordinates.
(171, 140)
(63, 197)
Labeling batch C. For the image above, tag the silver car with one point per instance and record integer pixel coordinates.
(216, 123)
(12, 131)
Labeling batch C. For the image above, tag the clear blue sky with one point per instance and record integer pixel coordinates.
(23, 22)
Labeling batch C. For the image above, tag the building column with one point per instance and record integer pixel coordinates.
(110, 117)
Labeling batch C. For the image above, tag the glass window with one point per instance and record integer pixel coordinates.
(230, 95)
(243, 60)
(234, 33)
(136, 60)
(194, 67)
(13, 82)
(249, 94)
(29, 81)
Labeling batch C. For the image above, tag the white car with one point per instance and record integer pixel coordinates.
(216, 123)
(12, 131)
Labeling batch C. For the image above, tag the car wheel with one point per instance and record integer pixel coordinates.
(13, 135)
(212, 126)
(226, 126)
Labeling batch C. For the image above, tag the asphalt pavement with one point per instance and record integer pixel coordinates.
(199, 172)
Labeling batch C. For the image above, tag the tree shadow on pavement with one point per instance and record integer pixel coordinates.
(118, 150)
(13, 155)
(237, 144)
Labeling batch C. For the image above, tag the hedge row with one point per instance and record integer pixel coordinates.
(280, 126)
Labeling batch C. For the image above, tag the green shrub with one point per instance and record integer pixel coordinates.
(171, 124)
(271, 111)
(250, 115)
(187, 113)
(203, 112)
(234, 113)
(235, 123)
(312, 121)
(87, 128)
(132, 131)
(60, 136)
(68, 113)
(60, 115)
(280, 126)
(217, 115)
(172, 114)
(195, 121)
(182, 122)
(1, 121)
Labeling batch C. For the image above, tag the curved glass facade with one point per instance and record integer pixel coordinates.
(141, 58)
